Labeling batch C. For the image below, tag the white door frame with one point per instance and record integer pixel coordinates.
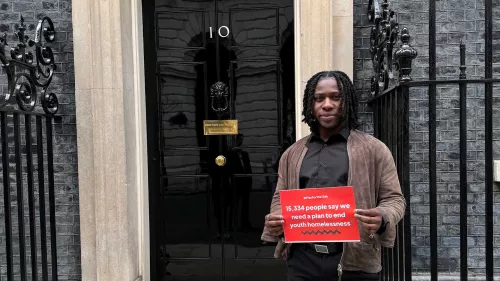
(111, 120)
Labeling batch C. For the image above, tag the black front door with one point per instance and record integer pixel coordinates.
(216, 60)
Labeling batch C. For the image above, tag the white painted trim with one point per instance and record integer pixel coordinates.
(298, 74)
(141, 137)
(112, 160)
(323, 41)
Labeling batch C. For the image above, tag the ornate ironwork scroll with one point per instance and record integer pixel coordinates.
(386, 61)
(27, 70)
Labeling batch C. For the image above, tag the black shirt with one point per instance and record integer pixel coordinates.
(326, 164)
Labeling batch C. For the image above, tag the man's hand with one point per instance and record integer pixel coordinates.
(275, 224)
(370, 219)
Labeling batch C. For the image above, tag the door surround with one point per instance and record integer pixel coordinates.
(111, 120)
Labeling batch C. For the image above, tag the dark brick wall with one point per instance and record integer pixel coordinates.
(65, 152)
(456, 21)
(362, 64)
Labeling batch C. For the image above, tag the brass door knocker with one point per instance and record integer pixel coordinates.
(219, 94)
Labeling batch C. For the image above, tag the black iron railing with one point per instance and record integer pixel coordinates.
(26, 138)
(391, 120)
(390, 102)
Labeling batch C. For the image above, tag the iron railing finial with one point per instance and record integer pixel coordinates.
(405, 56)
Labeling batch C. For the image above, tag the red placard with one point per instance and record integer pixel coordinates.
(319, 215)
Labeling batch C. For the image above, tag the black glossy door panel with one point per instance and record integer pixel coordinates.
(206, 220)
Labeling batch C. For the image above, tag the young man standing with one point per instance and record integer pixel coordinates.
(337, 154)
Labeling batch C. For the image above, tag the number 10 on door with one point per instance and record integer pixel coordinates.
(223, 31)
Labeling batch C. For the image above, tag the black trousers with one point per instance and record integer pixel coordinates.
(305, 264)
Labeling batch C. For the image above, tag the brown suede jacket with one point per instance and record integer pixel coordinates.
(372, 173)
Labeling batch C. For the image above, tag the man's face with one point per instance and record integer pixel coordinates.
(327, 103)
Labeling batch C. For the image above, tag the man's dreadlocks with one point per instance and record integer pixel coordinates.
(349, 102)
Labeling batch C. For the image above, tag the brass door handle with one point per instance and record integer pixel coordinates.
(220, 160)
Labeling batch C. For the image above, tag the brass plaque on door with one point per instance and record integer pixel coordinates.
(220, 127)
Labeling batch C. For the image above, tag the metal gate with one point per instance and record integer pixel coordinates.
(391, 86)
(27, 213)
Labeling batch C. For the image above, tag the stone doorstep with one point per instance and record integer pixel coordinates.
(449, 277)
